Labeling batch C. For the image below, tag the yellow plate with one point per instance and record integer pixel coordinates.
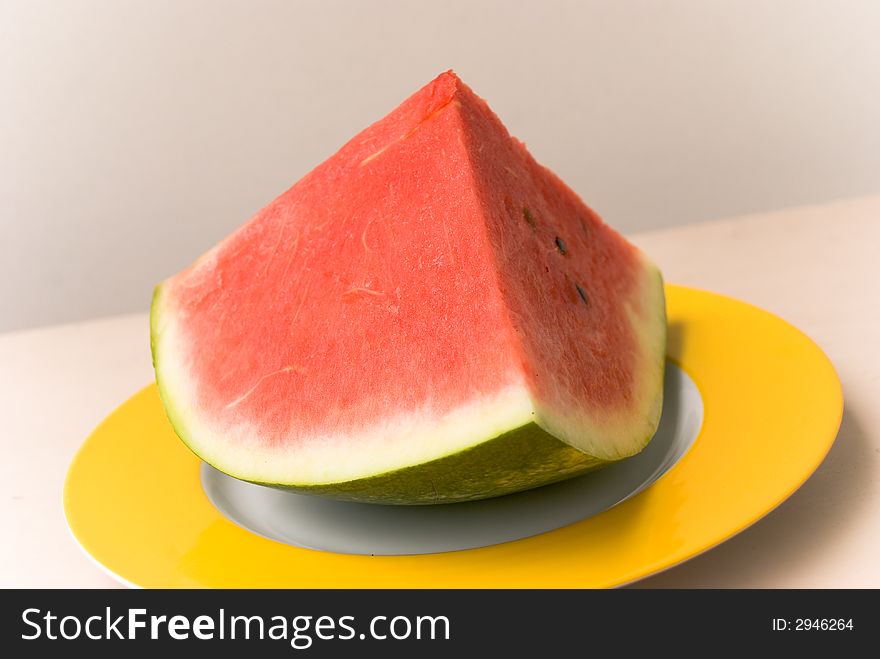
(772, 407)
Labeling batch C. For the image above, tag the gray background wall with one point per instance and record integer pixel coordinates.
(134, 135)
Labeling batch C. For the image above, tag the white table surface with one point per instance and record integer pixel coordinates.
(817, 267)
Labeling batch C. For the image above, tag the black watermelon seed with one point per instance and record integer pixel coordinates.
(582, 293)
(561, 246)
(529, 218)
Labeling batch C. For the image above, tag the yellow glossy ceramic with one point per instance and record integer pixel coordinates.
(772, 401)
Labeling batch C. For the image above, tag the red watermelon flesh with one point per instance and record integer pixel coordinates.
(428, 316)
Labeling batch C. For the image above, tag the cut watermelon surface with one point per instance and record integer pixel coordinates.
(428, 316)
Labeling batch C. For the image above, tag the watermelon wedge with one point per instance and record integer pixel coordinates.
(429, 316)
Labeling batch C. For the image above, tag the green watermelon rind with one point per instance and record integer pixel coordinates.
(523, 458)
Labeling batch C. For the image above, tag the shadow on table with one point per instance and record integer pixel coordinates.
(790, 537)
